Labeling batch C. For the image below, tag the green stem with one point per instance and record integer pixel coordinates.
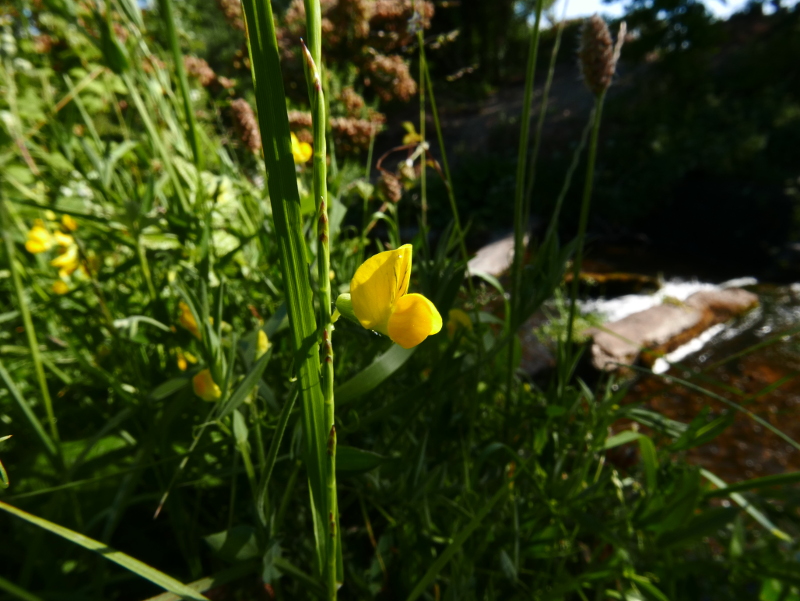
(584, 217)
(30, 332)
(520, 209)
(194, 137)
(318, 112)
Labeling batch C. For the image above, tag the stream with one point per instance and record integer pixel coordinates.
(753, 360)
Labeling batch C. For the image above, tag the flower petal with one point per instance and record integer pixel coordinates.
(413, 320)
(377, 284)
(301, 151)
(205, 387)
(39, 240)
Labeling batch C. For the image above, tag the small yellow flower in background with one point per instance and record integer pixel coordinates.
(262, 345)
(69, 223)
(457, 319)
(411, 137)
(380, 301)
(301, 151)
(205, 387)
(39, 240)
(49, 215)
(187, 320)
(60, 287)
(63, 240)
(67, 262)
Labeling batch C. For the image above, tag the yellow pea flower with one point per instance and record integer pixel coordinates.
(301, 151)
(60, 287)
(64, 240)
(187, 320)
(457, 319)
(379, 293)
(69, 223)
(67, 262)
(205, 387)
(39, 240)
(262, 345)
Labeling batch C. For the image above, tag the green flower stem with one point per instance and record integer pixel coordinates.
(165, 7)
(30, 331)
(584, 217)
(317, 100)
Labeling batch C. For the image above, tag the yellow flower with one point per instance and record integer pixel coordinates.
(67, 262)
(181, 360)
(457, 319)
(205, 387)
(60, 287)
(187, 320)
(380, 301)
(262, 344)
(69, 223)
(63, 239)
(411, 137)
(301, 151)
(39, 240)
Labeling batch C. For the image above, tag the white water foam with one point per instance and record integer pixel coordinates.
(614, 309)
(663, 364)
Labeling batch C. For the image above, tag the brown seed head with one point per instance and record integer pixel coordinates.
(391, 187)
(246, 125)
(598, 55)
(232, 9)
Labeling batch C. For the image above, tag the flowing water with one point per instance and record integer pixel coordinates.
(753, 361)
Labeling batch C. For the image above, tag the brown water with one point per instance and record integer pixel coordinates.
(764, 380)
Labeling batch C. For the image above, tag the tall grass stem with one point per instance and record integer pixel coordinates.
(584, 216)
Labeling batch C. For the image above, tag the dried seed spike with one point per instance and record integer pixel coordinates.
(312, 66)
(598, 55)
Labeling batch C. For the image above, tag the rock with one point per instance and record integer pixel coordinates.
(656, 331)
(495, 258)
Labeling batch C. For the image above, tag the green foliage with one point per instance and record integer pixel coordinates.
(451, 484)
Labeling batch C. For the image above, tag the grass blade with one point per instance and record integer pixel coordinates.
(285, 202)
(126, 561)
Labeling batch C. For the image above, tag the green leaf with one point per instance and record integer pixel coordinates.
(289, 236)
(775, 590)
(169, 388)
(747, 506)
(699, 526)
(756, 483)
(621, 438)
(650, 460)
(126, 561)
(373, 375)
(351, 460)
(17, 591)
(49, 446)
(239, 427)
(240, 543)
(246, 386)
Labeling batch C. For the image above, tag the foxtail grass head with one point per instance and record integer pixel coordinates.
(598, 54)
